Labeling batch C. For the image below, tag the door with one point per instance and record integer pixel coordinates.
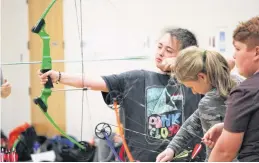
(56, 102)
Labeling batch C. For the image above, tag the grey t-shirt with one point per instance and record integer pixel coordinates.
(153, 105)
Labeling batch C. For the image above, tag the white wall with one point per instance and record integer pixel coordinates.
(15, 110)
(111, 28)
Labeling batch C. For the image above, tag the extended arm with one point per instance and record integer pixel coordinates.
(189, 130)
(92, 82)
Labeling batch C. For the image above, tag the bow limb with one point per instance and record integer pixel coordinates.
(46, 65)
(121, 131)
(62, 132)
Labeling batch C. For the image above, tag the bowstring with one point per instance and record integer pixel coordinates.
(80, 35)
(82, 70)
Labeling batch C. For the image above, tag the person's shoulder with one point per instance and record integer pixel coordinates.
(128, 73)
(139, 74)
(137, 71)
(249, 85)
(152, 72)
(125, 75)
(237, 78)
(246, 92)
(155, 74)
(212, 99)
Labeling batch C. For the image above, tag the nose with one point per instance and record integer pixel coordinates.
(234, 56)
(161, 52)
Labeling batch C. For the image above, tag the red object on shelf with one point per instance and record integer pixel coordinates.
(6, 156)
(13, 156)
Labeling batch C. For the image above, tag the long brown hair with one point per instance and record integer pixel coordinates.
(194, 60)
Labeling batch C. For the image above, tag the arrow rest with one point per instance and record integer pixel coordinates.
(111, 97)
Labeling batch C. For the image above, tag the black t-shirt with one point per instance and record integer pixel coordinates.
(154, 106)
(243, 116)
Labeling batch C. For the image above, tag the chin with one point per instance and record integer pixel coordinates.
(240, 72)
(243, 74)
(158, 65)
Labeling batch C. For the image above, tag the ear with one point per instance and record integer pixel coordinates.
(202, 76)
(256, 53)
(257, 50)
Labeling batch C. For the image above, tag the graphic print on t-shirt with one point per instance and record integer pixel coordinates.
(164, 111)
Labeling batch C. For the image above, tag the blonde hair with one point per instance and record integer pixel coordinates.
(194, 60)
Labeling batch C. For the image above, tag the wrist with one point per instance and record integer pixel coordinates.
(59, 75)
(220, 127)
(171, 148)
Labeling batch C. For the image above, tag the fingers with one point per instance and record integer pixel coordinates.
(165, 159)
(5, 90)
(160, 157)
(209, 143)
(44, 77)
(166, 155)
(39, 72)
(167, 68)
(231, 62)
(6, 84)
(46, 74)
(168, 64)
(43, 81)
(207, 136)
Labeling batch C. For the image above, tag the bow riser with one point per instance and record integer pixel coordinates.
(46, 65)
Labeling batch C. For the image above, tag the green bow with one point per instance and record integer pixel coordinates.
(46, 65)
